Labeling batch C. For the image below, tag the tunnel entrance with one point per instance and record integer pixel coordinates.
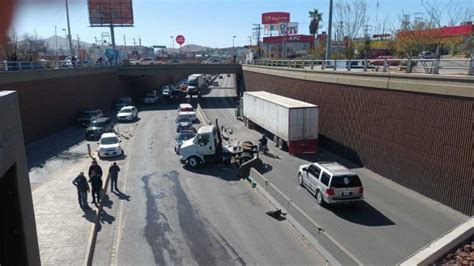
(12, 237)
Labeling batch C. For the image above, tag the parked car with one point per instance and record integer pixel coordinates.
(189, 114)
(184, 123)
(122, 102)
(182, 136)
(99, 126)
(185, 107)
(379, 61)
(331, 183)
(87, 116)
(109, 145)
(426, 55)
(146, 61)
(127, 113)
(151, 97)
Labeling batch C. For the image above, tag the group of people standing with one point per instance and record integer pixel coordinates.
(95, 178)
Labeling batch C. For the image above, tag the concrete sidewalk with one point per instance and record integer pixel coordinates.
(63, 227)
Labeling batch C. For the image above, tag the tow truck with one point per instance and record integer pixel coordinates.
(207, 147)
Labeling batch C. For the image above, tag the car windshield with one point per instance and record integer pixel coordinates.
(343, 181)
(184, 119)
(186, 136)
(126, 111)
(109, 141)
(97, 124)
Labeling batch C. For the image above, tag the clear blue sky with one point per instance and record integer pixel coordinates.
(204, 22)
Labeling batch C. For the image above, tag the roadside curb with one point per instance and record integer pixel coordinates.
(311, 230)
(430, 253)
(93, 233)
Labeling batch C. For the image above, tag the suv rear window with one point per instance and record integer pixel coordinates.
(343, 181)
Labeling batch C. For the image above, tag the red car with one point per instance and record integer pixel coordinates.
(380, 60)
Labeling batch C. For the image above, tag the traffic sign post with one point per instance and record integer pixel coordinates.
(180, 40)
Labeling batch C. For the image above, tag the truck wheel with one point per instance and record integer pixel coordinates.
(275, 140)
(245, 157)
(281, 144)
(194, 161)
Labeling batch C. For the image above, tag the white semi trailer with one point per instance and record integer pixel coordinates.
(293, 123)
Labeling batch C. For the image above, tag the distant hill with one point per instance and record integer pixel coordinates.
(188, 48)
(62, 42)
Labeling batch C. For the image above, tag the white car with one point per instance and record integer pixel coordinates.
(109, 145)
(151, 97)
(127, 113)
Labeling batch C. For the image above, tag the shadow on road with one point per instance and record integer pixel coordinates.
(89, 214)
(121, 195)
(57, 145)
(106, 218)
(224, 172)
(223, 102)
(361, 213)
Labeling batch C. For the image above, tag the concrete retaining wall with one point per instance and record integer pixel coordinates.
(422, 141)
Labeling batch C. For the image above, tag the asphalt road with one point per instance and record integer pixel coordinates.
(166, 214)
(392, 223)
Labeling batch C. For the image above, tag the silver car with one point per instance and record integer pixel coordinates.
(331, 183)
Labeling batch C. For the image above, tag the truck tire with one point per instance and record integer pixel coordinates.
(194, 162)
(275, 140)
(245, 157)
(282, 144)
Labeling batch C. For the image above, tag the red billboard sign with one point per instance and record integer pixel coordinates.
(180, 39)
(291, 38)
(275, 17)
(104, 13)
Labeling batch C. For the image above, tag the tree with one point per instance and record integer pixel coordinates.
(316, 18)
(351, 16)
(31, 47)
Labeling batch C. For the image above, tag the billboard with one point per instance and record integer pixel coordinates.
(275, 17)
(103, 13)
(288, 28)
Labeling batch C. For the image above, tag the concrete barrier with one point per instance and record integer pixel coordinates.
(202, 115)
(438, 248)
(342, 255)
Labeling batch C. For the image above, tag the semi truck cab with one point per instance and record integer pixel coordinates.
(206, 147)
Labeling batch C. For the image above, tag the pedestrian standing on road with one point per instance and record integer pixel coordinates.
(82, 188)
(96, 168)
(96, 183)
(113, 172)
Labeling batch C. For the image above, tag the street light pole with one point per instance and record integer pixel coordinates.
(233, 46)
(56, 40)
(328, 44)
(69, 30)
(172, 41)
(67, 46)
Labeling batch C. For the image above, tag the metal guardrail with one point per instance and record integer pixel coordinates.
(7, 66)
(427, 66)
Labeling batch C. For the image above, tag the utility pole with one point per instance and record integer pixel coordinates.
(328, 44)
(56, 40)
(250, 40)
(69, 30)
(78, 44)
(112, 36)
(139, 41)
(256, 31)
(124, 42)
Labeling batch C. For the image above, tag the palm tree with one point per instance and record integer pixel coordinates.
(316, 18)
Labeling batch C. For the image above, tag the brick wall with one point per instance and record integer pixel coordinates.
(49, 105)
(422, 141)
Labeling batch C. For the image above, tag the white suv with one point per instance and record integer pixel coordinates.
(331, 182)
